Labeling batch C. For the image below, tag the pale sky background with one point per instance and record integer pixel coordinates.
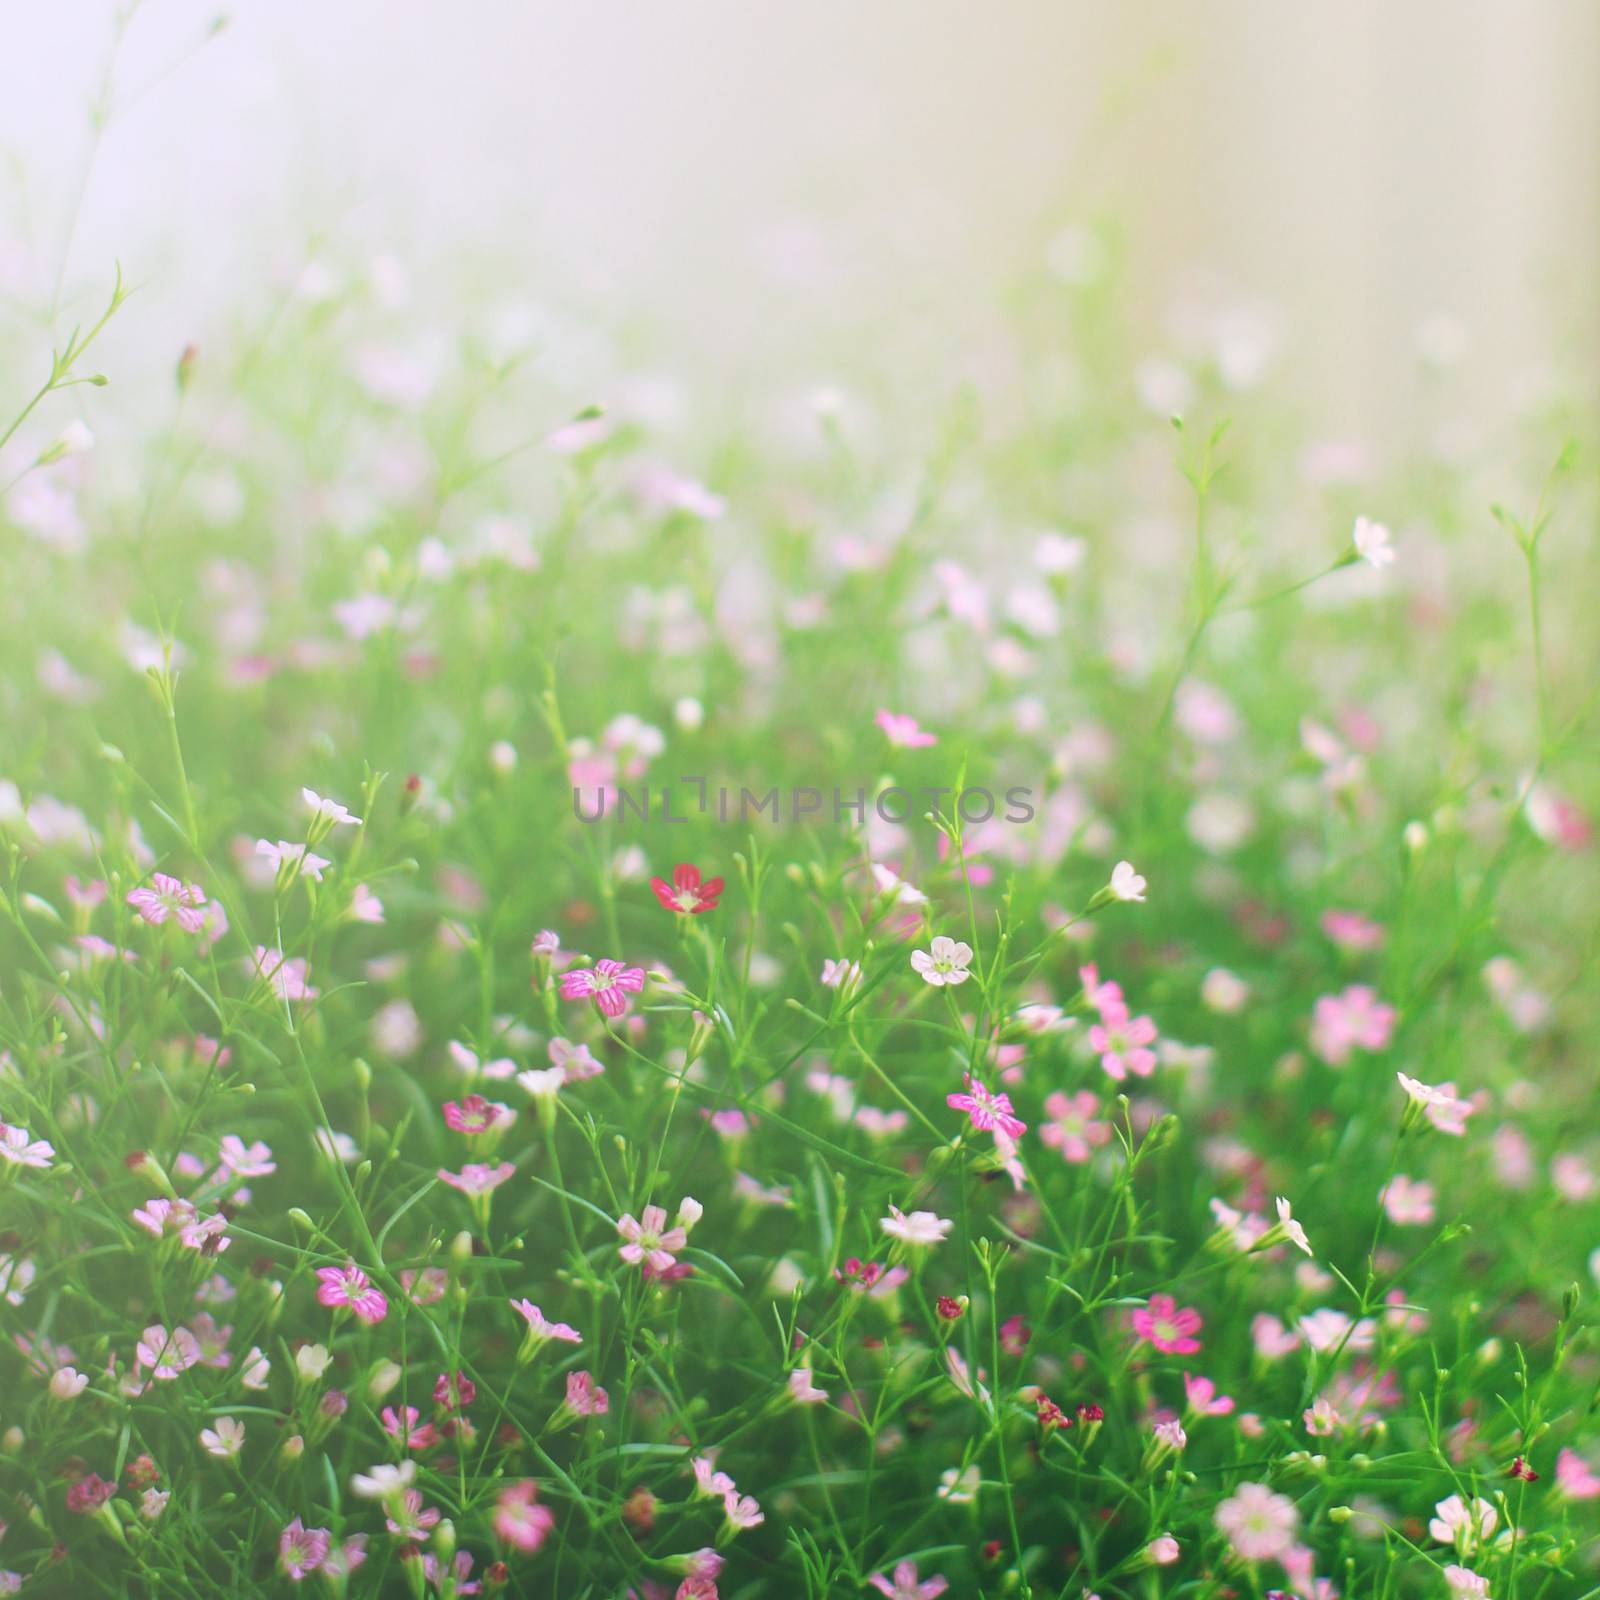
(728, 172)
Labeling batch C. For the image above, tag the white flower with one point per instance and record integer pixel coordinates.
(1291, 1229)
(959, 1487)
(256, 1369)
(1465, 1526)
(947, 961)
(329, 810)
(840, 974)
(383, 1480)
(311, 1361)
(226, 1440)
(1371, 540)
(890, 882)
(919, 1228)
(542, 1083)
(1126, 884)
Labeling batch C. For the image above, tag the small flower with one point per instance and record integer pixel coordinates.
(1464, 1525)
(1162, 1551)
(1123, 1043)
(166, 1354)
(519, 1519)
(477, 1177)
(18, 1149)
(687, 893)
(1371, 541)
(348, 1286)
(285, 855)
(1126, 884)
(1204, 1401)
(649, 1241)
(902, 731)
(224, 1441)
(1168, 1328)
(1073, 1128)
(905, 1586)
(1408, 1201)
(384, 1481)
(67, 1383)
(585, 1398)
(921, 1228)
(1259, 1524)
(607, 983)
(946, 961)
(840, 974)
(286, 975)
(1575, 1478)
(1464, 1584)
(1286, 1228)
(302, 1550)
(170, 897)
(328, 811)
(540, 1329)
(988, 1111)
(802, 1390)
(1437, 1102)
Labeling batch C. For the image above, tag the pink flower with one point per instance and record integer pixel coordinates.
(348, 1286)
(1168, 1328)
(649, 1241)
(903, 732)
(302, 1550)
(286, 975)
(687, 893)
(1575, 1478)
(477, 1177)
(1123, 1043)
(166, 1354)
(519, 1519)
(1352, 931)
(803, 1390)
(1259, 1524)
(607, 983)
(1104, 997)
(1408, 1201)
(1204, 1401)
(21, 1150)
(742, 1510)
(540, 1328)
(403, 1425)
(170, 897)
(406, 1518)
(905, 1585)
(1072, 1129)
(585, 1398)
(988, 1111)
(1353, 1018)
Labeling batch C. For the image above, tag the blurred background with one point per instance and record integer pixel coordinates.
(1352, 192)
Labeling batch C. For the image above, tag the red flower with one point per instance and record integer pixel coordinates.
(687, 892)
(1521, 1469)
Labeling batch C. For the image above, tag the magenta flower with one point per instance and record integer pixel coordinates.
(473, 1114)
(170, 897)
(302, 1550)
(349, 1287)
(607, 983)
(649, 1241)
(988, 1111)
(1168, 1328)
(688, 892)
